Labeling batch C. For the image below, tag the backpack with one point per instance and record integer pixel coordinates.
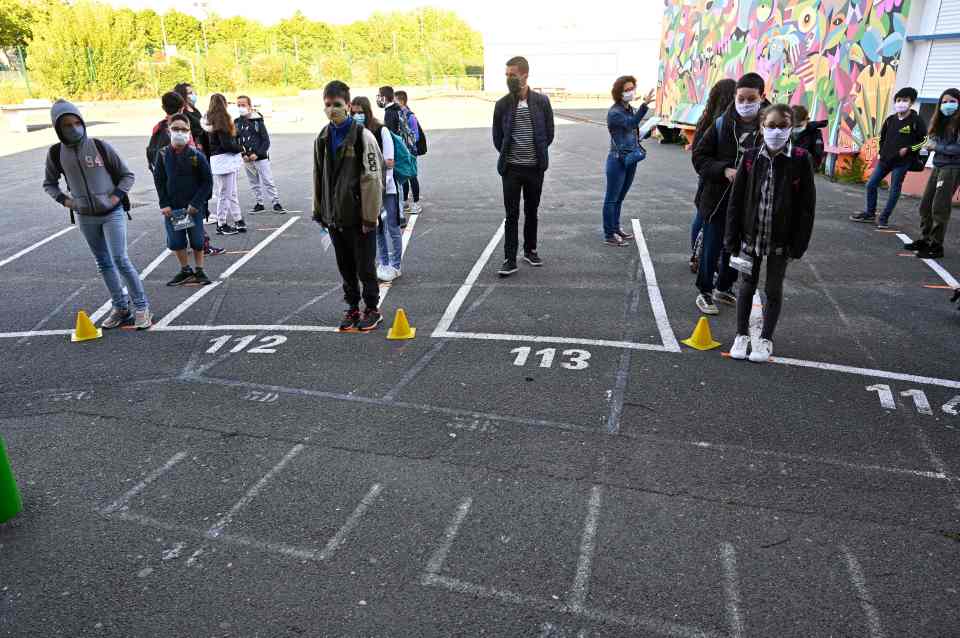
(54, 155)
(421, 140)
(404, 162)
(159, 140)
(406, 133)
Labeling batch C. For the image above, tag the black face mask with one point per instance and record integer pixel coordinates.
(73, 134)
(513, 84)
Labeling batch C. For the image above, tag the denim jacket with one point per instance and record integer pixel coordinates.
(623, 122)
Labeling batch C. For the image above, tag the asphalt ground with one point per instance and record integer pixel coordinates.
(542, 459)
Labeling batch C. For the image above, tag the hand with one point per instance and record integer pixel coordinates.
(69, 203)
(191, 210)
(367, 228)
(114, 200)
(390, 163)
(252, 157)
(730, 173)
(650, 97)
(904, 151)
(167, 211)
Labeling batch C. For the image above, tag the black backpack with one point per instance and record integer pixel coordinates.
(421, 141)
(54, 156)
(159, 140)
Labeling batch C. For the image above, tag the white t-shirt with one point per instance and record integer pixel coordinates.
(387, 139)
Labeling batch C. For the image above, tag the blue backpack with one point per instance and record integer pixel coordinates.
(404, 163)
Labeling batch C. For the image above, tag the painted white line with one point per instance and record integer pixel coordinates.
(184, 306)
(34, 333)
(454, 307)
(653, 289)
(256, 249)
(217, 528)
(588, 544)
(486, 336)
(637, 623)
(105, 308)
(121, 503)
(404, 242)
(33, 247)
(947, 278)
(242, 328)
(340, 537)
(231, 539)
(440, 555)
(866, 602)
(731, 589)
(866, 372)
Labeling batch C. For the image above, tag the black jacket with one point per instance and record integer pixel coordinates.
(541, 114)
(391, 118)
(252, 132)
(896, 134)
(713, 154)
(196, 130)
(810, 139)
(222, 142)
(794, 202)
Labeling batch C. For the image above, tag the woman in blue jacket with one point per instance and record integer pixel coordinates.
(623, 122)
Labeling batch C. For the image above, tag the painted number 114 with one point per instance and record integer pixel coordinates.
(570, 359)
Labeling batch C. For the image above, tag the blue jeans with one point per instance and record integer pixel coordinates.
(714, 258)
(896, 182)
(695, 228)
(107, 237)
(619, 180)
(389, 240)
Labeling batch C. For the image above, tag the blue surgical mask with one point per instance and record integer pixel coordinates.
(360, 118)
(948, 108)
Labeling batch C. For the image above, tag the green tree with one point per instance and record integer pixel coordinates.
(16, 20)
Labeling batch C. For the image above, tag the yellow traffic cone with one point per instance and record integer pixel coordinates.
(85, 330)
(401, 327)
(701, 339)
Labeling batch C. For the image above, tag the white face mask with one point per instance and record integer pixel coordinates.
(901, 107)
(179, 138)
(244, 111)
(776, 138)
(629, 96)
(748, 110)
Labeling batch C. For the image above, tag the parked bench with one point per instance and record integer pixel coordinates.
(17, 114)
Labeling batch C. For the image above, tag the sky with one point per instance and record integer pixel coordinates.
(631, 18)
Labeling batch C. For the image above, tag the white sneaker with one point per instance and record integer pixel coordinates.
(116, 317)
(416, 208)
(142, 319)
(762, 351)
(706, 306)
(739, 349)
(396, 273)
(386, 273)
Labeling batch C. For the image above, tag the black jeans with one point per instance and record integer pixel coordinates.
(357, 261)
(528, 182)
(414, 183)
(776, 271)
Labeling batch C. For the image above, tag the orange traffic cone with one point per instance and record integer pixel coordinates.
(701, 339)
(401, 327)
(85, 330)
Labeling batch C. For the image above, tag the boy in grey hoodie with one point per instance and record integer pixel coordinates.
(98, 182)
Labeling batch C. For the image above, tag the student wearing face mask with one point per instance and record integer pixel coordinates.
(255, 141)
(769, 219)
(901, 137)
(98, 181)
(937, 201)
(807, 135)
(225, 155)
(184, 185)
(623, 123)
(185, 90)
(716, 158)
(348, 188)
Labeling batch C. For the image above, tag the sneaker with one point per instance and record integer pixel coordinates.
(883, 224)
(739, 349)
(184, 276)
(279, 209)
(762, 351)
(396, 272)
(213, 250)
(725, 297)
(142, 319)
(350, 320)
(406, 207)
(614, 240)
(863, 218)
(623, 234)
(403, 223)
(257, 209)
(932, 251)
(532, 258)
(370, 320)
(694, 264)
(241, 226)
(705, 304)
(200, 277)
(920, 244)
(226, 229)
(386, 273)
(416, 208)
(508, 268)
(116, 317)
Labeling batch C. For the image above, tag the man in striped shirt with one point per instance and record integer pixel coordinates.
(522, 133)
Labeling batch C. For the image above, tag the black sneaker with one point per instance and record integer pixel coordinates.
(863, 218)
(186, 275)
(920, 244)
(508, 268)
(213, 250)
(932, 251)
(350, 320)
(200, 277)
(226, 229)
(624, 235)
(241, 226)
(278, 209)
(532, 258)
(370, 320)
(258, 209)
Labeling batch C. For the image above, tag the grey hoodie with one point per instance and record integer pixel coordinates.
(88, 178)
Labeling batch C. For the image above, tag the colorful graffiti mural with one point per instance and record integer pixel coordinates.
(837, 57)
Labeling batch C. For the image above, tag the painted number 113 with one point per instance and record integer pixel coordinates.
(572, 359)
